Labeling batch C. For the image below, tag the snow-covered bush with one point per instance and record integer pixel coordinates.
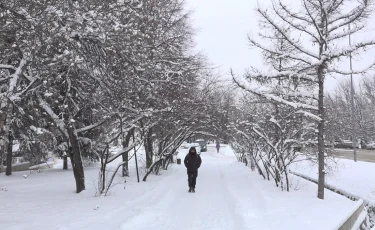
(269, 140)
(36, 144)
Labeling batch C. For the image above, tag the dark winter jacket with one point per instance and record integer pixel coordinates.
(192, 161)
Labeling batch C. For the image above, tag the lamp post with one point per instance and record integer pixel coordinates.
(354, 136)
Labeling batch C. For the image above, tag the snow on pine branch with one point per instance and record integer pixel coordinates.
(285, 74)
(302, 94)
(339, 35)
(279, 54)
(334, 54)
(355, 15)
(310, 115)
(345, 72)
(255, 90)
(289, 39)
(287, 16)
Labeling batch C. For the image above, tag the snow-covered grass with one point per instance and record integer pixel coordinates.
(229, 196)
(356, 179)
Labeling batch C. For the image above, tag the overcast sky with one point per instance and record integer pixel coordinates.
(222, 28)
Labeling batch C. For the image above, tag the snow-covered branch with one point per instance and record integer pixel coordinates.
(288, 18)
(277, 53)
(331, 55)
(345, 33)
(310, 115)
(355, 15)
(97, 124)
(255, 90)
(118, 154)
(10, 67)
(16, 96)
(291, 41)
(348, 72)
(14, 77)
(5, 79)
(60, 124)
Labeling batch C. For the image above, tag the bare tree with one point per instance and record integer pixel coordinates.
(339, 108)
(319, 25)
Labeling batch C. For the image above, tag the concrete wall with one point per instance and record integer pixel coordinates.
(42, 166)
(26, 166)
(349, 223)
(17, 167)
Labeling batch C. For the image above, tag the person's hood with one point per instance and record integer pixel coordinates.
(192, 148)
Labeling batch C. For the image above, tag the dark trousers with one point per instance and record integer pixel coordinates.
(192, 178)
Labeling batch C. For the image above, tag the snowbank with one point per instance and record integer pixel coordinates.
(355, 179)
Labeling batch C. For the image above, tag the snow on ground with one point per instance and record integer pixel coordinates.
(354, 178)
(229, 196)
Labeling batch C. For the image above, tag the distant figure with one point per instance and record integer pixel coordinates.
(217, 146)
(192, 163)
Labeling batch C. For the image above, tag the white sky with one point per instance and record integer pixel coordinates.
(222, 28)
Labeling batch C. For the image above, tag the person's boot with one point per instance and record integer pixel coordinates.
(190, 189)
(193, 190)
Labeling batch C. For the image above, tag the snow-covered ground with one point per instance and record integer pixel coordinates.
(356, 179)
(229, 196)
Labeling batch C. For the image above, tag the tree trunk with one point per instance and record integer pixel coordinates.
(2, 135)
(6, 131)
(252, 163)
(76, 160)
(285, 168)
(9, 155)
(103, 169)
(152, 167)
(65, 165)
(6, 123)
(1, 160)
(125, 156)
(149, 149)
(170, 160)
(2, 119)
(321, 134)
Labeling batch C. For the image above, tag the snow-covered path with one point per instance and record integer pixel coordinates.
(229, 196)
(211, 207)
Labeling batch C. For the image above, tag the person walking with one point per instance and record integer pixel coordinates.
(192, 163)
(217, 146)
